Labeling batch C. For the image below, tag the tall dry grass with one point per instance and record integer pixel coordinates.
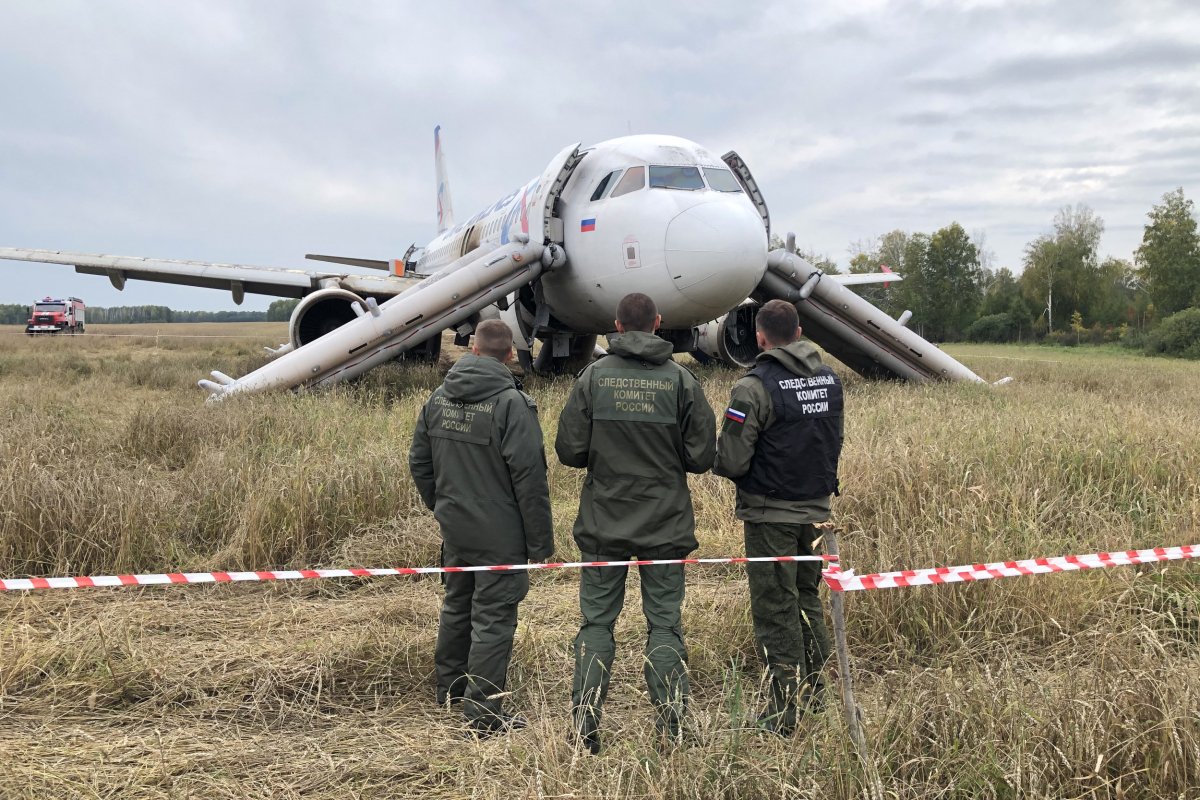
(1078, 685)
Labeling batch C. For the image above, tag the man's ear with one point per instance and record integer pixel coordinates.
(620, 327)
(508, 354)
(657, 321)
(799, 332)
(762, 340)
(474, 346)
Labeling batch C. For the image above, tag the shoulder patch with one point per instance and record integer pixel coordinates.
(735, 418)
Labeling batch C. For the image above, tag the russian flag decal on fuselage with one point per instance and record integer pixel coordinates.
(586, 225)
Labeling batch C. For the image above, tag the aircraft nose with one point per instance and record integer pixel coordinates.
(716, 253)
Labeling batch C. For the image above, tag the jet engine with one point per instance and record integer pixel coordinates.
(321, 312)
(328, 309)
(730, 339)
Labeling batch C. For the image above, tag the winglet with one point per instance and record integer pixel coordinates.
(445, 208)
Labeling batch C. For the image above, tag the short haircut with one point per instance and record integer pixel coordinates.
(637, 312)
(493, 338)
(777, 320)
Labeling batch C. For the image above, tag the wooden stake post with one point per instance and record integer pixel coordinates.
(837, 608)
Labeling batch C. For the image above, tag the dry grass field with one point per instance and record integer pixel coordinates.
(1076, 685)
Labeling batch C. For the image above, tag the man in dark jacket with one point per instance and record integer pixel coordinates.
(639, 423)
(780, 443)
(478, 462)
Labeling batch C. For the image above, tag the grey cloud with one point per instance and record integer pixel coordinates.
(1124, 58)
(922, 119)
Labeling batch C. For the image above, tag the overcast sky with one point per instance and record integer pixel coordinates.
(252, 132)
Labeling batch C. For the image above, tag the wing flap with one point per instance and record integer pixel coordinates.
(366, 263)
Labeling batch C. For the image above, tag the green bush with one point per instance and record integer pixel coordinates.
(992, 328)
(1178, 335)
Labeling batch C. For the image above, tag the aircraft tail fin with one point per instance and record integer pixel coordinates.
(445, 208)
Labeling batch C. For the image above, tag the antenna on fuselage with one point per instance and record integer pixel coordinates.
(445, 208)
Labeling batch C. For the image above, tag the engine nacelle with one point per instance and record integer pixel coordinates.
(321, 312)
(730, 339)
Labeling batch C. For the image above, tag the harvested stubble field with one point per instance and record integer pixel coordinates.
(1077, 685)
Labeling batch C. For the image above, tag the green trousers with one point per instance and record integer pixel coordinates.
(789, 622)
(475, 637)
(601, 597)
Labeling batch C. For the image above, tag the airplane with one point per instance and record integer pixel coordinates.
(654, 214)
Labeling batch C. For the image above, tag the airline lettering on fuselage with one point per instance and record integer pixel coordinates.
(519, 211)
(526, 192)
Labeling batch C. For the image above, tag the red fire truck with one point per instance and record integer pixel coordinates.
(56, 316)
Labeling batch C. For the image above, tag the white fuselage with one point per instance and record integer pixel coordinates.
(670, 221)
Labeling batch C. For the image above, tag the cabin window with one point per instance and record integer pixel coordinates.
(687, 178)
(608, 180)
(633, 179)
(721, 180)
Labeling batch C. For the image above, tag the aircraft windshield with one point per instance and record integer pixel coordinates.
(633, 179)
(721, 180)
(50, 307)
(687, 178)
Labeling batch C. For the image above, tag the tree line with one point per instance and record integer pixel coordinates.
(1065, 293)
(278, 311)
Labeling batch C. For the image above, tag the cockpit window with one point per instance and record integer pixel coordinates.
(633, 179)
(676, 178)
(608, 180)
(721, 180)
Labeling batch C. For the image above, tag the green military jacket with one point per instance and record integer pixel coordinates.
(736, 445)
(639, 423)
(478, 462)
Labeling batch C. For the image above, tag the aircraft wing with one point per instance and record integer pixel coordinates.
(859, 278)
(236, 278)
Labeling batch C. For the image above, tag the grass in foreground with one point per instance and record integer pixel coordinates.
(1069, 686)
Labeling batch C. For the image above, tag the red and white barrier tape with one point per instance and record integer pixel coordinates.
(162, 579)
(837, 579)
(840, 581)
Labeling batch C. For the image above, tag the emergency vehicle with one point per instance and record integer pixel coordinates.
(56, 316)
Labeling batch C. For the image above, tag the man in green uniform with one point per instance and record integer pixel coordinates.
(639, 423)
(478, 462)
(780, 443)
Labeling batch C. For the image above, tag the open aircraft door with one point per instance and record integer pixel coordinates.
(749, 186)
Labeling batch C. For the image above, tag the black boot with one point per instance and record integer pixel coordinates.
(498, 724)
(585, 730)
(780, 715)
